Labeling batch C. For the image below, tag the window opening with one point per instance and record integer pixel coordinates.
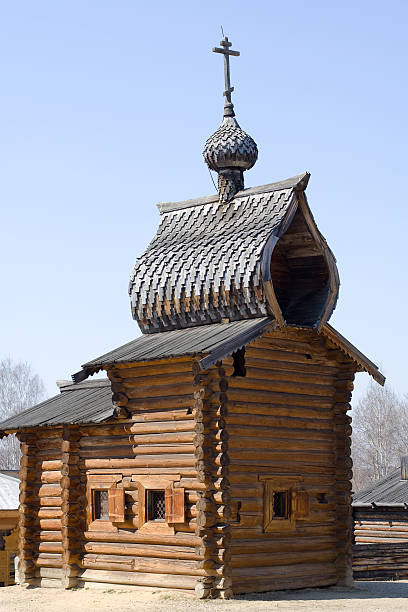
(156, 507)
(280, 504)
(101, 505)
(239, 362)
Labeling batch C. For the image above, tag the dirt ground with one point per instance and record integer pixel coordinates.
(364, 597)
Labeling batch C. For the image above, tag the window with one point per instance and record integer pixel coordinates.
(280, 504)
(156, 508)
(160, 503)
(284, 502)
(106, 501)
(100, 505)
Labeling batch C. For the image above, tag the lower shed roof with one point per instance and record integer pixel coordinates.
(87, 402)
(391, 490)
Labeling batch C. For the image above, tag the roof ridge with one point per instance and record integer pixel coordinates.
(300, 181)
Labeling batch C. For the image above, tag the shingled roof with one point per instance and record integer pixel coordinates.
(210, 261)
(388, 491)
(88, 402)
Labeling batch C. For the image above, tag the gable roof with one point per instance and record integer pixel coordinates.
(209, 261)
(88, 402)
(212, 343)
(388, 491)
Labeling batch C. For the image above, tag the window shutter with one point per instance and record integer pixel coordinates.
(116, 505)
(302, 504)
(174, 501)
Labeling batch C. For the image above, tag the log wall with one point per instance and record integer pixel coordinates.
(215, 435)
(380, 551)
(153, 436)
(287, 417)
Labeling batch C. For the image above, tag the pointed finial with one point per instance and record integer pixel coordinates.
(226, 52)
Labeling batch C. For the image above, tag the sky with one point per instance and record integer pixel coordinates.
(105, 107)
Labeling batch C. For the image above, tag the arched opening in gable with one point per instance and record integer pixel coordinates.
(300, 274)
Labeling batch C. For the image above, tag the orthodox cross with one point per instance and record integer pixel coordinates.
(226, 51)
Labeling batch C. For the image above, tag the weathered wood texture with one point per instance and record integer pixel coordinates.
(211, 452)
(287, 417)
(380, 551)
(156, 438)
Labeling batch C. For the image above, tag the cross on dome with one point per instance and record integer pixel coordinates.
(226, 52)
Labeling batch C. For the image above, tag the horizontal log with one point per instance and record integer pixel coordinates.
(274, 544)
(303, 402)
(295, 571)
(265, 456)
(141, 564)
(262, 584)
(280, 375)
(279, 467)
(170, 380)
(51, 477)
(50, 536)
(175, 401)
(39, 562)
(49, 490)
(282, 559)
(49, 501)
(50, 513)
(170, 461)
(49, 442)
(271, 384)
(290, 357)
(157, 367)
(142, 550)
(261, 442)
(185, 540)
(137, 578)
(50, 547)
(253, 360)
(155, 438)
(287, 426)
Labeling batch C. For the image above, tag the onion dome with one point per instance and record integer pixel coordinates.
(230, 147)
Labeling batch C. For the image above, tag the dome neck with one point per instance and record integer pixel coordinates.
(230, 181)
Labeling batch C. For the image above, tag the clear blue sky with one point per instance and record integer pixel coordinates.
(105, 107)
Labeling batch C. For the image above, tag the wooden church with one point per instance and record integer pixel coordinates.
(215, 457)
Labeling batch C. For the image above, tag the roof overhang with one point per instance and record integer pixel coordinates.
(364, 364)
(213, 343)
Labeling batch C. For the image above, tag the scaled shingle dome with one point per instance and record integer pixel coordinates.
(230, 147)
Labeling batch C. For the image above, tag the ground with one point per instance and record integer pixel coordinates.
(364, 597)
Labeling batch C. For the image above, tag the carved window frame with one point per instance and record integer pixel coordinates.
(297, 500)
(112, 484)
(167, 484)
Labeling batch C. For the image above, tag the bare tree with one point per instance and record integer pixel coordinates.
(380, 428)
(20, 388)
